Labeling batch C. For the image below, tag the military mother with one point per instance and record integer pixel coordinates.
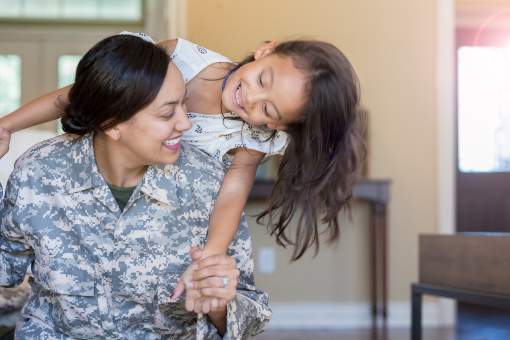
(107, 229)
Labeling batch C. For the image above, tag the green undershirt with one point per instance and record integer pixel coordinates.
(121, 194)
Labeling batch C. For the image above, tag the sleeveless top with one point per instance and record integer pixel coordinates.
(218, 134)
(221, 133)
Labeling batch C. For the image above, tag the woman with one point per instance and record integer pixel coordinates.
(106, 219)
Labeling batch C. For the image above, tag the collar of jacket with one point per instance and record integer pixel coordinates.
(159, 182)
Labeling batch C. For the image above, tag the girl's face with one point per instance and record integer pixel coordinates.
(152, 136)
(269, 91)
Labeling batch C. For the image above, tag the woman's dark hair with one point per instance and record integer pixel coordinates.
(323, 157)
(115, 79)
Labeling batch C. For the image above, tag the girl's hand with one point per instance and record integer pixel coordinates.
(5, 139)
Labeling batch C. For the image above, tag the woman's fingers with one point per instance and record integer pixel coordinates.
(185, 281)
(179, 289)
(192, 296)
(206, 306)
(220, 293)
(216, 282)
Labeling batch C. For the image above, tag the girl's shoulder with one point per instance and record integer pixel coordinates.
(191, 59)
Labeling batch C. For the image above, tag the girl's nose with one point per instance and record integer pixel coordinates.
(252, 98)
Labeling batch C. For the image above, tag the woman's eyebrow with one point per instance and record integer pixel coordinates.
(174, 102)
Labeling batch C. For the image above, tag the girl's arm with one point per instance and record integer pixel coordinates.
(5, 139)
(40, 110)
(231, 200)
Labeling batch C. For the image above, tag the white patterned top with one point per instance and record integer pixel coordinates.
(219, 134)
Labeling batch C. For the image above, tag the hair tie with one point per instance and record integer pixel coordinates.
(140, 35)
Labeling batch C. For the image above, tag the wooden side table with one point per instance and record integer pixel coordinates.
(461, 295)
(377, 194)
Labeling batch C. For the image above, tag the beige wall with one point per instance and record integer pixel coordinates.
(393, 46)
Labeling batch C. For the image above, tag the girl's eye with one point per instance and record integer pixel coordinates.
(265, 111)
(260, 80)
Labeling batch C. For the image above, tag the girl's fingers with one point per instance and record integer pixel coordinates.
(217, 259)
(217, 270)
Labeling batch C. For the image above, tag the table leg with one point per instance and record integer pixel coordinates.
(416, 302)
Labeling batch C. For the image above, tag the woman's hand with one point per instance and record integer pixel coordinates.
(216, 277)
(5, 140)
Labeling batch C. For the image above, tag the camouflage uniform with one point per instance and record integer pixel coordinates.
(101, 273)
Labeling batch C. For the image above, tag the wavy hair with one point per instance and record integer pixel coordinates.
(324, 155)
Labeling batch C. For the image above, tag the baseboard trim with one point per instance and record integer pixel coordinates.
(350, 316)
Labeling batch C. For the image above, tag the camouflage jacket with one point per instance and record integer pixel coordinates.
(99, 273)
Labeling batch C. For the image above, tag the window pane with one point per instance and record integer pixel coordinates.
(484, 109)
(10, 83)
(67, 68)
(10, 8)
(54, 10)
(128, 9)
(40, 9)
(83, 9)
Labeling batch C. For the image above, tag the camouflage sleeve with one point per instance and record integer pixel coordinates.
(248, 314)
(15, 254)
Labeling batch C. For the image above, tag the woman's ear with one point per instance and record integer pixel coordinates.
(265, 49)
(113, 133)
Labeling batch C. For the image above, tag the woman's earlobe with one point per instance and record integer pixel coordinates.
(113, 133)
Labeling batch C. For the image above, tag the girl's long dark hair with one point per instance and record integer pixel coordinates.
(323, 158)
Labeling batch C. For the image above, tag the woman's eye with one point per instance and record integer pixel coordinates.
(167, 116)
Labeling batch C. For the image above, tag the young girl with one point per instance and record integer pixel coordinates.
(298, 99)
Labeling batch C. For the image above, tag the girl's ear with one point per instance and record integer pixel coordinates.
(265, 49)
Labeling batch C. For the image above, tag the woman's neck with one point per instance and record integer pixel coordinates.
(115, 164)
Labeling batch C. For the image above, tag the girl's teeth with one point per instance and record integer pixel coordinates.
(238, 95)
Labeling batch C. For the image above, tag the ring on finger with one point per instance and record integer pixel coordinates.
(224, 281)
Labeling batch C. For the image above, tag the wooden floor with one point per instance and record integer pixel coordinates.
(474, 323)
(396, 334)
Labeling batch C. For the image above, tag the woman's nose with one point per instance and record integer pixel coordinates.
(183, 123)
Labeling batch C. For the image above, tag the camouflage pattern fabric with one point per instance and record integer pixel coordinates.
(99, 273)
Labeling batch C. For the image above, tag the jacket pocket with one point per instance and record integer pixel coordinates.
(67, 276)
